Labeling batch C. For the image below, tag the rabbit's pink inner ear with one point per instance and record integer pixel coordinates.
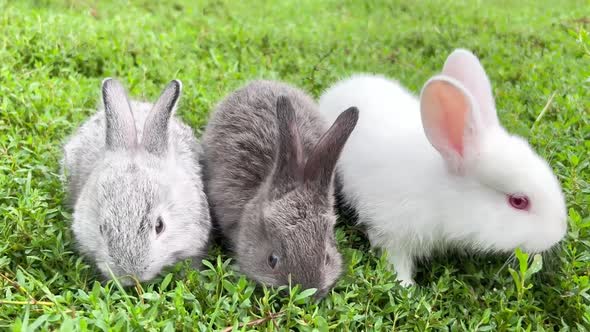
(465, 67)
(445, 110)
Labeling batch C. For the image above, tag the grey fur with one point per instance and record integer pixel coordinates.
(126, 166)
(264, 194)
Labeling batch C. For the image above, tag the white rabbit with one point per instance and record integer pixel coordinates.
(134, 178)
(441, 171)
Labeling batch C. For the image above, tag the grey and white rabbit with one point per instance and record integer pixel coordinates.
(134, 179)
(269, 169)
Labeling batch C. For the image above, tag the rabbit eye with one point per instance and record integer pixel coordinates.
(519, 202)
(273, 260)
(159, 226)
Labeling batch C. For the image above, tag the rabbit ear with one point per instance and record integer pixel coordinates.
(155, 130)
(450, 119)
(322, 161)
(464, 66)
(289, 166)
(120, 125)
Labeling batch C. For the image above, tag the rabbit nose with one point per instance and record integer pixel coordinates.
(122, 275)
(147, 275)
(320, 294)
(123, 271)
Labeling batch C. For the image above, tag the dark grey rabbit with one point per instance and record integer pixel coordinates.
(269, 169)
(134, 179)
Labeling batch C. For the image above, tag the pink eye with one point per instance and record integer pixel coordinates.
(519, 202)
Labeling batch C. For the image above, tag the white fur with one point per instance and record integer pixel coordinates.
(414, 199)
(127, 189)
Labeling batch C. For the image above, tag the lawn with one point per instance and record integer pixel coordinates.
(54, 55)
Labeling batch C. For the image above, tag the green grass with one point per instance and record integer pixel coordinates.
(54, 54)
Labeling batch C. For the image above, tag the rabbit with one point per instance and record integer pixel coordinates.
(269, 168)
(134, 179)
(440, 172)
